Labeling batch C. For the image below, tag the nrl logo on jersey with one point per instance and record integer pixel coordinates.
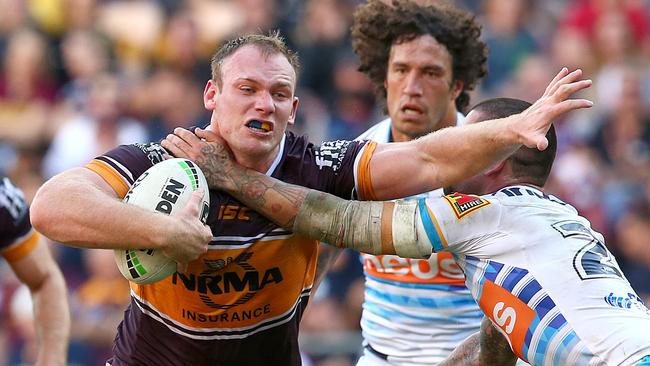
(465, 204)
(155, 153)
(330, 154)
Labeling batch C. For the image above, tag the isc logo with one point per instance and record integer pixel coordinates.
(233, 212)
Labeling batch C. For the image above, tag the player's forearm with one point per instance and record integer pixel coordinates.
(72, 210)
(457, 153)
(495, 349)
(277, 200)
(440, 159)
(466, 353)
(52, 319)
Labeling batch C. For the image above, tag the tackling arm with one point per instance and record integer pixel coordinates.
(368, 227)
(448, 156)
(439, 159)
(39, 272)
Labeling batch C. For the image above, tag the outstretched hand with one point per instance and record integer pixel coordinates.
(537, 119)
(207, 149)
(189, 236)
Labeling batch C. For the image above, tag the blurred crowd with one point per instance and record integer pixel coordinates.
(78, 77)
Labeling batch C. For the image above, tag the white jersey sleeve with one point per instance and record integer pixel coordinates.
(457, 222)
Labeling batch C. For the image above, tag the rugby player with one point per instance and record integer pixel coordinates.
(537, 269)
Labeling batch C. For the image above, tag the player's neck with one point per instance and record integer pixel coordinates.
(260, 163)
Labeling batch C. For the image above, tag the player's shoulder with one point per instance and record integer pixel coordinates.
(135, 156)
(154, 151)
(526, 195)
(328, 155)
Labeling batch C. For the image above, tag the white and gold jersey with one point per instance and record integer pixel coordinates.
(542, 275)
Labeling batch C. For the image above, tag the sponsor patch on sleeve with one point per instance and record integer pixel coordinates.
(465, 204)
(154, 151)
(330, 154)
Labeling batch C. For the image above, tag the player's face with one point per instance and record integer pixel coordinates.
(256, 102)
(419, 87)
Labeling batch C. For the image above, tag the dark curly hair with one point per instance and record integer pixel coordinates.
(377, 26)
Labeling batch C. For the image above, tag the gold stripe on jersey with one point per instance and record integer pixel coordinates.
(366, 192)
(228, 293)
(434, 220)
(113, 178)
(22, 246)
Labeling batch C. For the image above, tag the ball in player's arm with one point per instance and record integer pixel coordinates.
(97, 218)
(30, 259)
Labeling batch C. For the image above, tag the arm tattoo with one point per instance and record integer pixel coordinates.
(495, 349)
(256, 190)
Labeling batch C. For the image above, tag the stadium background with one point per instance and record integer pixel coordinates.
(80, 76)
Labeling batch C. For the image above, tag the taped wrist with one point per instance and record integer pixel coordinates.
(357, 225)
(409, 238)
(339, 222)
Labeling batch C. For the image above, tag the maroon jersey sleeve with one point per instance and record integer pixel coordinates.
(121, 166)
(330, 167)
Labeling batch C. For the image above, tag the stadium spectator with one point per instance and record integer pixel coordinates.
(100, 125)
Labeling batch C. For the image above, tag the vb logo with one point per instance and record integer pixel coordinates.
(505, 318)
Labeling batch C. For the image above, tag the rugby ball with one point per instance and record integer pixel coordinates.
(166, 187)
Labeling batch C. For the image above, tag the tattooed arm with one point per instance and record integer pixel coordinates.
(362, 226)
(272, 198)
(485, 348)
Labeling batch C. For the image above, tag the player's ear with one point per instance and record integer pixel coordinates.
(456, 88)
(210, 95)
(294, 110)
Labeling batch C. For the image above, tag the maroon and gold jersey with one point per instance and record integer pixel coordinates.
(17, 238)
(241, 302)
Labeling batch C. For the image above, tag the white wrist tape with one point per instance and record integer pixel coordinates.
(357, 225)
(409, 239)
(343, 223)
